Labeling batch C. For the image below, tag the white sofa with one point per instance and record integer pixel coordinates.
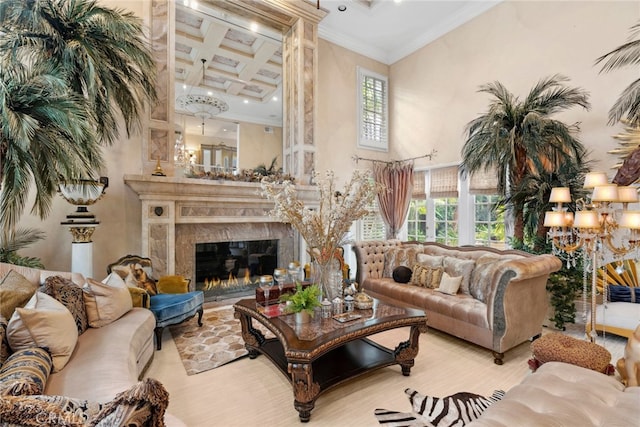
(564, 395)
(106, 360)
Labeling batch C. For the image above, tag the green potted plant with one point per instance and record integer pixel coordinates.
(302, 302)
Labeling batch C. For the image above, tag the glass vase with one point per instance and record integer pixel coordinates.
(328, 276)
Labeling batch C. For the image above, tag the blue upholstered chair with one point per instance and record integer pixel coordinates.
(169, 298)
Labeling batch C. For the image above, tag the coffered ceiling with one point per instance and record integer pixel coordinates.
(220, 55)
(243, 65)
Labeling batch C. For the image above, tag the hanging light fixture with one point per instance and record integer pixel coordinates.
(202, 106)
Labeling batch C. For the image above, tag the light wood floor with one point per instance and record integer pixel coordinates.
(254, 392)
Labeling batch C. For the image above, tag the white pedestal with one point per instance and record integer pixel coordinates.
(82, 258)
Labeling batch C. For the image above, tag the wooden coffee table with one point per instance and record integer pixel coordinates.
(324, 353)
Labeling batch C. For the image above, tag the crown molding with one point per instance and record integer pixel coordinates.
(388, 58)
(354, 45)
(467, 14)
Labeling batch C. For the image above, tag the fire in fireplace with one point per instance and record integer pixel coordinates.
(229, 269)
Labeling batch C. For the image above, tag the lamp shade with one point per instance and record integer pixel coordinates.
(594, 179)
(630, 219)
(605, 193)
(554, 219)
(560, 195)
(627, 194)
(586, 219)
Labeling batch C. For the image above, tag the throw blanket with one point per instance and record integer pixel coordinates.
(451, 411)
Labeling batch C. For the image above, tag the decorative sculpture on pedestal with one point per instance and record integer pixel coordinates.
(82, 223)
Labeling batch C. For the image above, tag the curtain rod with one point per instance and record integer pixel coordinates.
(357, 158)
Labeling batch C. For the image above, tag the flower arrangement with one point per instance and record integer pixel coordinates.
(326, 227)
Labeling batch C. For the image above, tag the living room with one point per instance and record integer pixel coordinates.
(433, 94)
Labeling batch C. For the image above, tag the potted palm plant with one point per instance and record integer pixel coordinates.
(69, 72)
(302, 302)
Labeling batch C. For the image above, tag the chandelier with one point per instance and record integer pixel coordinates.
(601, 227)
(202, 106)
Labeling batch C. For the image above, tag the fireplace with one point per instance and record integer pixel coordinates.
(178, 214)
(228, 269)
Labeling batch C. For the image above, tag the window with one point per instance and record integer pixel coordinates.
(489, 224)
(372, 226)
(446, 220)
(372, 117)
(417, 220)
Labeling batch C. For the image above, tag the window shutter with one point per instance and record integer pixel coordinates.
(484, 182)
(419, 187)
(443, 182)
(372, 227)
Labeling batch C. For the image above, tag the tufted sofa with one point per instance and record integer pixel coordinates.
(502, 300)
(106, 360)
(561, 394)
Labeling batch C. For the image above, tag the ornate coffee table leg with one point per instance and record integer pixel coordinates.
(305, 390)
(253, 338)
(406, 351)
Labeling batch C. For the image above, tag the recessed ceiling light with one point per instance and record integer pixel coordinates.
(342, 8)
(275, 98)
(184, 86)
(210, 93)
(246, 101)
(254, 27)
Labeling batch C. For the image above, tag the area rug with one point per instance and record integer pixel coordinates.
(456, 410)
(217, 342)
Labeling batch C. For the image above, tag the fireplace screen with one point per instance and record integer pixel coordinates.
(229, 269)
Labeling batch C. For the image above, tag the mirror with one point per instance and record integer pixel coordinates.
(228, 87)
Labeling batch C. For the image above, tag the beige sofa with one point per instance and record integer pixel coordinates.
(560, 394)
(501, 303)
(106, 360)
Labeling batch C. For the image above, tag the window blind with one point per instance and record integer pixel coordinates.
(419, 185)
(443, 182)
(484, 182)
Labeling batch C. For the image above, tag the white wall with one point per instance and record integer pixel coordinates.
(434, 90)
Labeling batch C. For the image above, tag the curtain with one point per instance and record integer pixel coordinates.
(397, 178)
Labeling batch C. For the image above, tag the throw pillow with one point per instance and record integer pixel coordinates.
(139, 297)
(44, 322)
(400, 256)
(482, 276)
(106, 301)
(4, 344)
(402, 274)
(70, 295)
(25, 372)
(623, 293)
(144, 404)
(15, 291)
(426, 276)
(433, 261)
(460, 267)
(449, 285)
(173, 285)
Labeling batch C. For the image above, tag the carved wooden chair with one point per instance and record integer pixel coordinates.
(168, 297)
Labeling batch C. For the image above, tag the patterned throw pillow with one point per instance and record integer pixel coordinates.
(400, 256)
(25, 372)
(482, 276)
(432, 261)
(455, 267)
(70, 295)
(4, 344)
(426, 277)
(15, 291)
(143, 404)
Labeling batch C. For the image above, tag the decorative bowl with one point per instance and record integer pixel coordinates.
(363, 301)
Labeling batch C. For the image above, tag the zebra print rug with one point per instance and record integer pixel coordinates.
(451, 411)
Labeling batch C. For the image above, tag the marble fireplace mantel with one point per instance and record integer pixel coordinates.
(177, 213)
